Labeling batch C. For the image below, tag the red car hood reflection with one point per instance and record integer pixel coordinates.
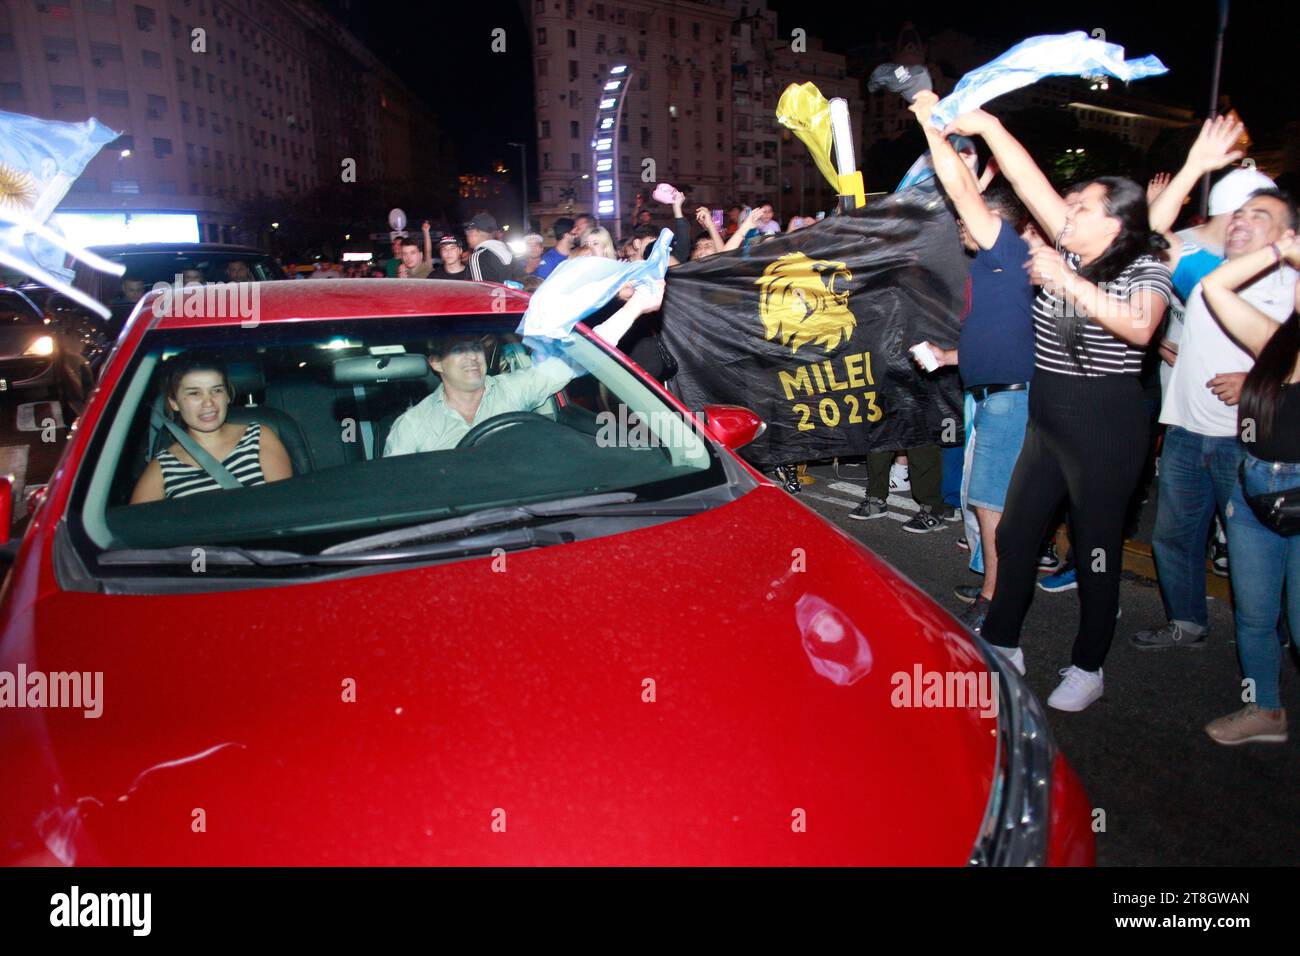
(712, 690)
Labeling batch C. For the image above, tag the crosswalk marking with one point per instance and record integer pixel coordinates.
(857, 491)
(846, 503)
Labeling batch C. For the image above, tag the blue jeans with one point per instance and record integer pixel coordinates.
(1197, 476)
(1262, 561)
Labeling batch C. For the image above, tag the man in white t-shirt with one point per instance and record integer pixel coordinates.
(1198, 465)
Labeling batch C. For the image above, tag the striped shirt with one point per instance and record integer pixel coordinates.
(1101, 352)
(180, 479)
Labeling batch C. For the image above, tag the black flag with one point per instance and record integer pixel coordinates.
(811, 331)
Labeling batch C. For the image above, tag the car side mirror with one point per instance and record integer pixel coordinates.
(733, 425)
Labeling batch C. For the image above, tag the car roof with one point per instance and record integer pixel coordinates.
(178, 248)
(290, 300)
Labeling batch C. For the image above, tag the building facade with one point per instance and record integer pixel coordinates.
(699, 108)
(219, 101)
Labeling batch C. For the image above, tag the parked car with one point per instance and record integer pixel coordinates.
(588, 634)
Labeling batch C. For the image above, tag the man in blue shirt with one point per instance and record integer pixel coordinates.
(566, 238)
(995, 353)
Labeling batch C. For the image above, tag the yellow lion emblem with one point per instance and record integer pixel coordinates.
(799, 302)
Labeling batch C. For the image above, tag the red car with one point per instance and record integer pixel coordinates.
(581, 632)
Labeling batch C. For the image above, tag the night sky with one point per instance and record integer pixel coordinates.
(483, 100)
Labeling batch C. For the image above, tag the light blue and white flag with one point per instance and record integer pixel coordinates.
(39, 160)
(578, 287)
(1062, 54)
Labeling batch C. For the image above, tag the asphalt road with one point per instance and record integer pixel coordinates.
(1171, 795)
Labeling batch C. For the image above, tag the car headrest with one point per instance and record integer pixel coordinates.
(246, 377)
(369, 369)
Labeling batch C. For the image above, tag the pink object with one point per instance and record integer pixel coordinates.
(664, 192)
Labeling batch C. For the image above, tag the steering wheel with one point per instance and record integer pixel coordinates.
(498, 423)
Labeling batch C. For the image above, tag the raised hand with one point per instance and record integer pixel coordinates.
(1213, 148)
(1158, 184)
(702, 216)
(648, 296)
(973, 123)
(923, 105)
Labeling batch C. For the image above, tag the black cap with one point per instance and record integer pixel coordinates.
(906, 80)
(483, 222)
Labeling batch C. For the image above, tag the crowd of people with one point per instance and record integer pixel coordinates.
(1099, 349)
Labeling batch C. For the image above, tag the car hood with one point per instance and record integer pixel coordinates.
(719, 689)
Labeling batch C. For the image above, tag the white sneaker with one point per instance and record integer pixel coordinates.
(1014, 655)
(898, 478)
(1078, 689)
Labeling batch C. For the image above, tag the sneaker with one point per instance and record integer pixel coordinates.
(968, 593)
(870, 508)
(1172, 634)
(1219, 552)
(923, 522)
(973, 617)
(1078, 689)
(1013, 655)
(1066, 580)
(788, 477)
(949, 513)
(1251, 724)
(1049, 561)
(898, 479)
(963, 544)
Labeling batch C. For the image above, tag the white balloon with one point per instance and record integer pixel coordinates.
(397, 219)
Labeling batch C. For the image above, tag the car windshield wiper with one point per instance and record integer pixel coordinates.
(188, 555)
(608, 505)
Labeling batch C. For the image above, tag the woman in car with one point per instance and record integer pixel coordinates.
(197, 392)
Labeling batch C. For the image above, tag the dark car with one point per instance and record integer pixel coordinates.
(148, 263)
(47, 350)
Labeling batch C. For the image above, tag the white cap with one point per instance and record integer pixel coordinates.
(1232, 191)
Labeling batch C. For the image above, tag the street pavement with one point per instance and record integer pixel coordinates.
(1170, 795)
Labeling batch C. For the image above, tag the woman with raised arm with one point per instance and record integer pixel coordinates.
(1102, 296)
(1264, 562)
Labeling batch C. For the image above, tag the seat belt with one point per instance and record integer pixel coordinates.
(367, 428)
(215, 469)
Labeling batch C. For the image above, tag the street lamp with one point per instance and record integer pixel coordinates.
(523, 166)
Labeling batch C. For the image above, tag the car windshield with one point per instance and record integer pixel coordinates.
(382, 432)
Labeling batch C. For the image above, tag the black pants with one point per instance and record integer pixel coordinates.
(1086, 442)
(924, 473)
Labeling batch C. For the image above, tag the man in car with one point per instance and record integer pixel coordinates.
(133, 288)
(468, 395)
(237, 271)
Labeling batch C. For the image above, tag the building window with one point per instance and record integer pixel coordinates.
(11, 91)
(151, 59)
(162, 147)
(695, 31)
(572, 41)
(101, 53)
(67, 95)
(203, 117)
(185, 112)
(546, 129)
(98, 6)
(672, 26)
(131, 186)
(145, 19)
(166, 187)
(542, 65)
(575, 161)
(573, 70)
(573, 129)
(541, 36)
(157, 106)
(546, 160)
